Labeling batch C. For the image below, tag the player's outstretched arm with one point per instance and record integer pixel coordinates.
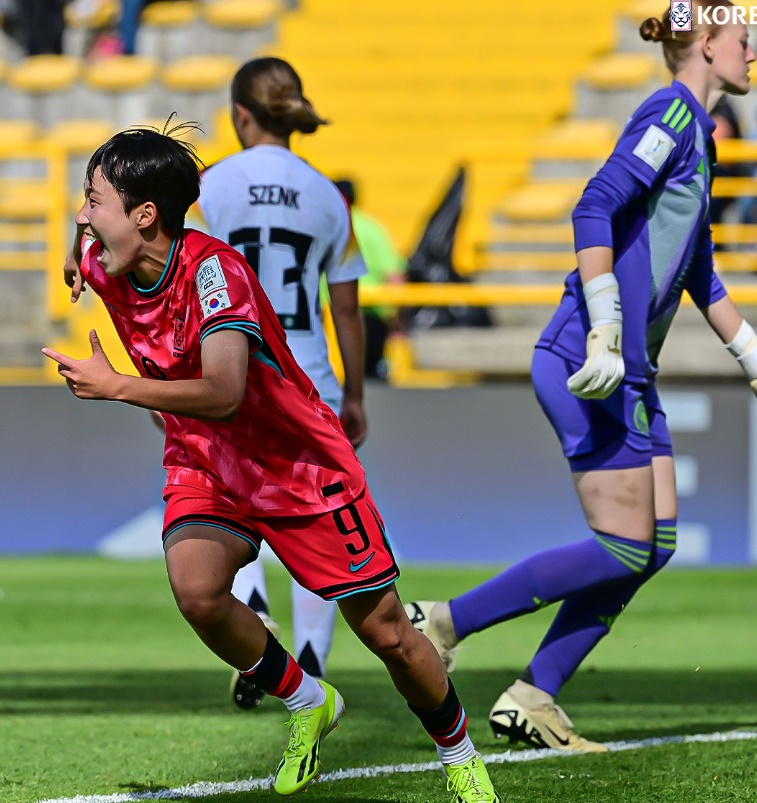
(737, 335)
(217, 395)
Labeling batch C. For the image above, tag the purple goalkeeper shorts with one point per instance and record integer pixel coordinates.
(625, 430)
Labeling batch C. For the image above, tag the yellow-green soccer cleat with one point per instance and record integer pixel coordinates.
(526, 714)
(433, 619)
(470, 782)
(308, 727)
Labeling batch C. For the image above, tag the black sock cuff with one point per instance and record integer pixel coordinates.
(272, 667)
(441, 719)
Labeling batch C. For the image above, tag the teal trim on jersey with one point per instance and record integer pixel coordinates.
(248, 329)
(671, 109)
(202, 523)
(260, 357)
(686, 120)
(678, 115)
(635, 558)
(365, 588)
(148, 290)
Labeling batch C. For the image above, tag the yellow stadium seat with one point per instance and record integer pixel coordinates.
(20, 131)
(582, 131)
(24, 199)
(121, 73)
(243, 14)
(44, 74)
(622, 71)
(43, 88)
(522, 233)
(198, 85)
(542, 200)
(80, 136)
(120, 89)
(169, 30)
(170, 14)
(736, 261)
(737, 150)
(539, 261)
(199, 74)
(638, 10)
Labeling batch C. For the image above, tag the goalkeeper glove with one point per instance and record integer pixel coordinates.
(744, 349)
(604, 368)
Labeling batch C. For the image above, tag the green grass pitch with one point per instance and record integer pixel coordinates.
(104, 690)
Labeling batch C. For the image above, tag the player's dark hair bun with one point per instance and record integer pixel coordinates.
(651, 30)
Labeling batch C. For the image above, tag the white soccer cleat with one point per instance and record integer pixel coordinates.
(529, 715)
(434, 621)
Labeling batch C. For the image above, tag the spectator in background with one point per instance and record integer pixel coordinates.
(385, 266)
(118, 35)
(40, 26)
(131, 11)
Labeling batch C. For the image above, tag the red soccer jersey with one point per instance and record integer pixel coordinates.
(285, 451)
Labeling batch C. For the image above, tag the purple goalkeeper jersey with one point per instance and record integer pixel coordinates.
(650, 204)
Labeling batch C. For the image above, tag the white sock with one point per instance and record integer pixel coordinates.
(250, 577)
(313, 620)
(309, 694)
(457, 754)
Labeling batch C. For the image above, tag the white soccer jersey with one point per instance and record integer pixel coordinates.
(292, 224)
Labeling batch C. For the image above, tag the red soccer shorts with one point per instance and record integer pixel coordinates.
(333, 554)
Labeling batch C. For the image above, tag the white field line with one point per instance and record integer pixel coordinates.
(198, 790)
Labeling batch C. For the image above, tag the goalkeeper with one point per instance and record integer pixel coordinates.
(642, 237)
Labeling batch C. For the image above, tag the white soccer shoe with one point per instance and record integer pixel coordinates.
(433, 619)
(529, 715)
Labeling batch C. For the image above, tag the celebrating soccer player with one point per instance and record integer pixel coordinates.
(251, 453)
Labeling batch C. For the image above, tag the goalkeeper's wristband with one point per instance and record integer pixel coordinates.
(602, 295)
(744, 349)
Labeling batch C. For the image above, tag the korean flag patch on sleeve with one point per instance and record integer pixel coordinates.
(215, 302)
(654, 147)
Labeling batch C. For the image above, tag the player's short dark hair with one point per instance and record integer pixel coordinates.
(144, 164)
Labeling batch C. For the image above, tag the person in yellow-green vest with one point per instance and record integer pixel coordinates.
(385, 266)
